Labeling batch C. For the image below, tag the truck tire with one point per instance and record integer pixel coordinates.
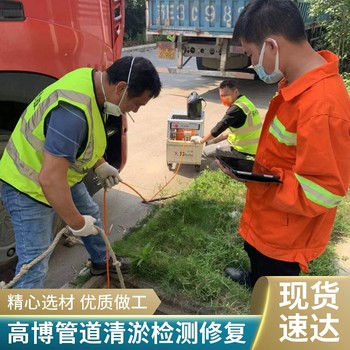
(7, 234)
(7, 238)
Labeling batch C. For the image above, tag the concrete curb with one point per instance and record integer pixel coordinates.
(167, 307)
(139, 48)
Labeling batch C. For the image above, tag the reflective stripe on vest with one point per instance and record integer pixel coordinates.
(246, 138)
(278, 130)
(28, 126)
(318, 194)
(22, 167)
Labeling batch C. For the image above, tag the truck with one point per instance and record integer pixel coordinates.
(40, 41)
(202, 29)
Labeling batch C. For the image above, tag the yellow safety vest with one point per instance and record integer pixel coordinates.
(246, 138)
(22, 159)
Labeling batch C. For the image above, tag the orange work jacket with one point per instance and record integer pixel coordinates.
(306, 141)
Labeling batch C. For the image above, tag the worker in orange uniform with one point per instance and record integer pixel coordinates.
(243, 122)
(305, 140)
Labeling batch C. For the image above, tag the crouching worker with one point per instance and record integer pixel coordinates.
(242, 122)
(59, 137)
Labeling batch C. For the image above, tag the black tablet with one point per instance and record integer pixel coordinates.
(248, 170)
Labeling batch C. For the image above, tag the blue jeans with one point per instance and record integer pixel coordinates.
(33, 221)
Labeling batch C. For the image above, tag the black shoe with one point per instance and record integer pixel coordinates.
(100, 269)
(238, 276)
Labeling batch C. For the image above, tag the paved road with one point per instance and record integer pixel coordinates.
(146, 168)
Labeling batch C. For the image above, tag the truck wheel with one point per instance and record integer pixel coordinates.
(7, 235)
(7, 238)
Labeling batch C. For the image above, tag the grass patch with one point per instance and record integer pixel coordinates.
(341, 227)
(184, 246)
(81, 279)
(346, 78)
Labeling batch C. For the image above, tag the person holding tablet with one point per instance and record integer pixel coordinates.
(305, 140)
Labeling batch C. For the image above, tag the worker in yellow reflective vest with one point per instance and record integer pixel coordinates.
(59, 137)
(242, 121)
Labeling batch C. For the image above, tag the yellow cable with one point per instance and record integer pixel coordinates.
(145, 200)
(167, 183)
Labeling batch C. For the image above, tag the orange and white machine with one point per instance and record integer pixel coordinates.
(180, 149)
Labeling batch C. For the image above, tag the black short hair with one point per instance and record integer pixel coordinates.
(230, 83)
(143, 77)
(262, 18)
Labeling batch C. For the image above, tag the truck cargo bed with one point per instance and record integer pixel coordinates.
(207, 18)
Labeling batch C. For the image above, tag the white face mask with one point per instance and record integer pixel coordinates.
(276, 75)
(110, 108)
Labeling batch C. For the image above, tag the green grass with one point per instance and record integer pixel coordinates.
(183, 247)
(346, 78)
(341, 227)
(81, 279)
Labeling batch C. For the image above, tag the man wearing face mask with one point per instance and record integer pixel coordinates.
(305, 140)
(60, 136)
(242, 121)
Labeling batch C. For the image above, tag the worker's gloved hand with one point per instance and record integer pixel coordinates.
(108, 175)
(196, 139)
(88, 228)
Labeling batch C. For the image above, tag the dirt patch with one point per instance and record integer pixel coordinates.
(343, 252)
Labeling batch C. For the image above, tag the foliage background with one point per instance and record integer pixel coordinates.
(334, 16)
(135, 22)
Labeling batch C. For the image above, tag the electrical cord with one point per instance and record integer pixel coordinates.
(105, 225)
(144, 200)
(153, 199)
